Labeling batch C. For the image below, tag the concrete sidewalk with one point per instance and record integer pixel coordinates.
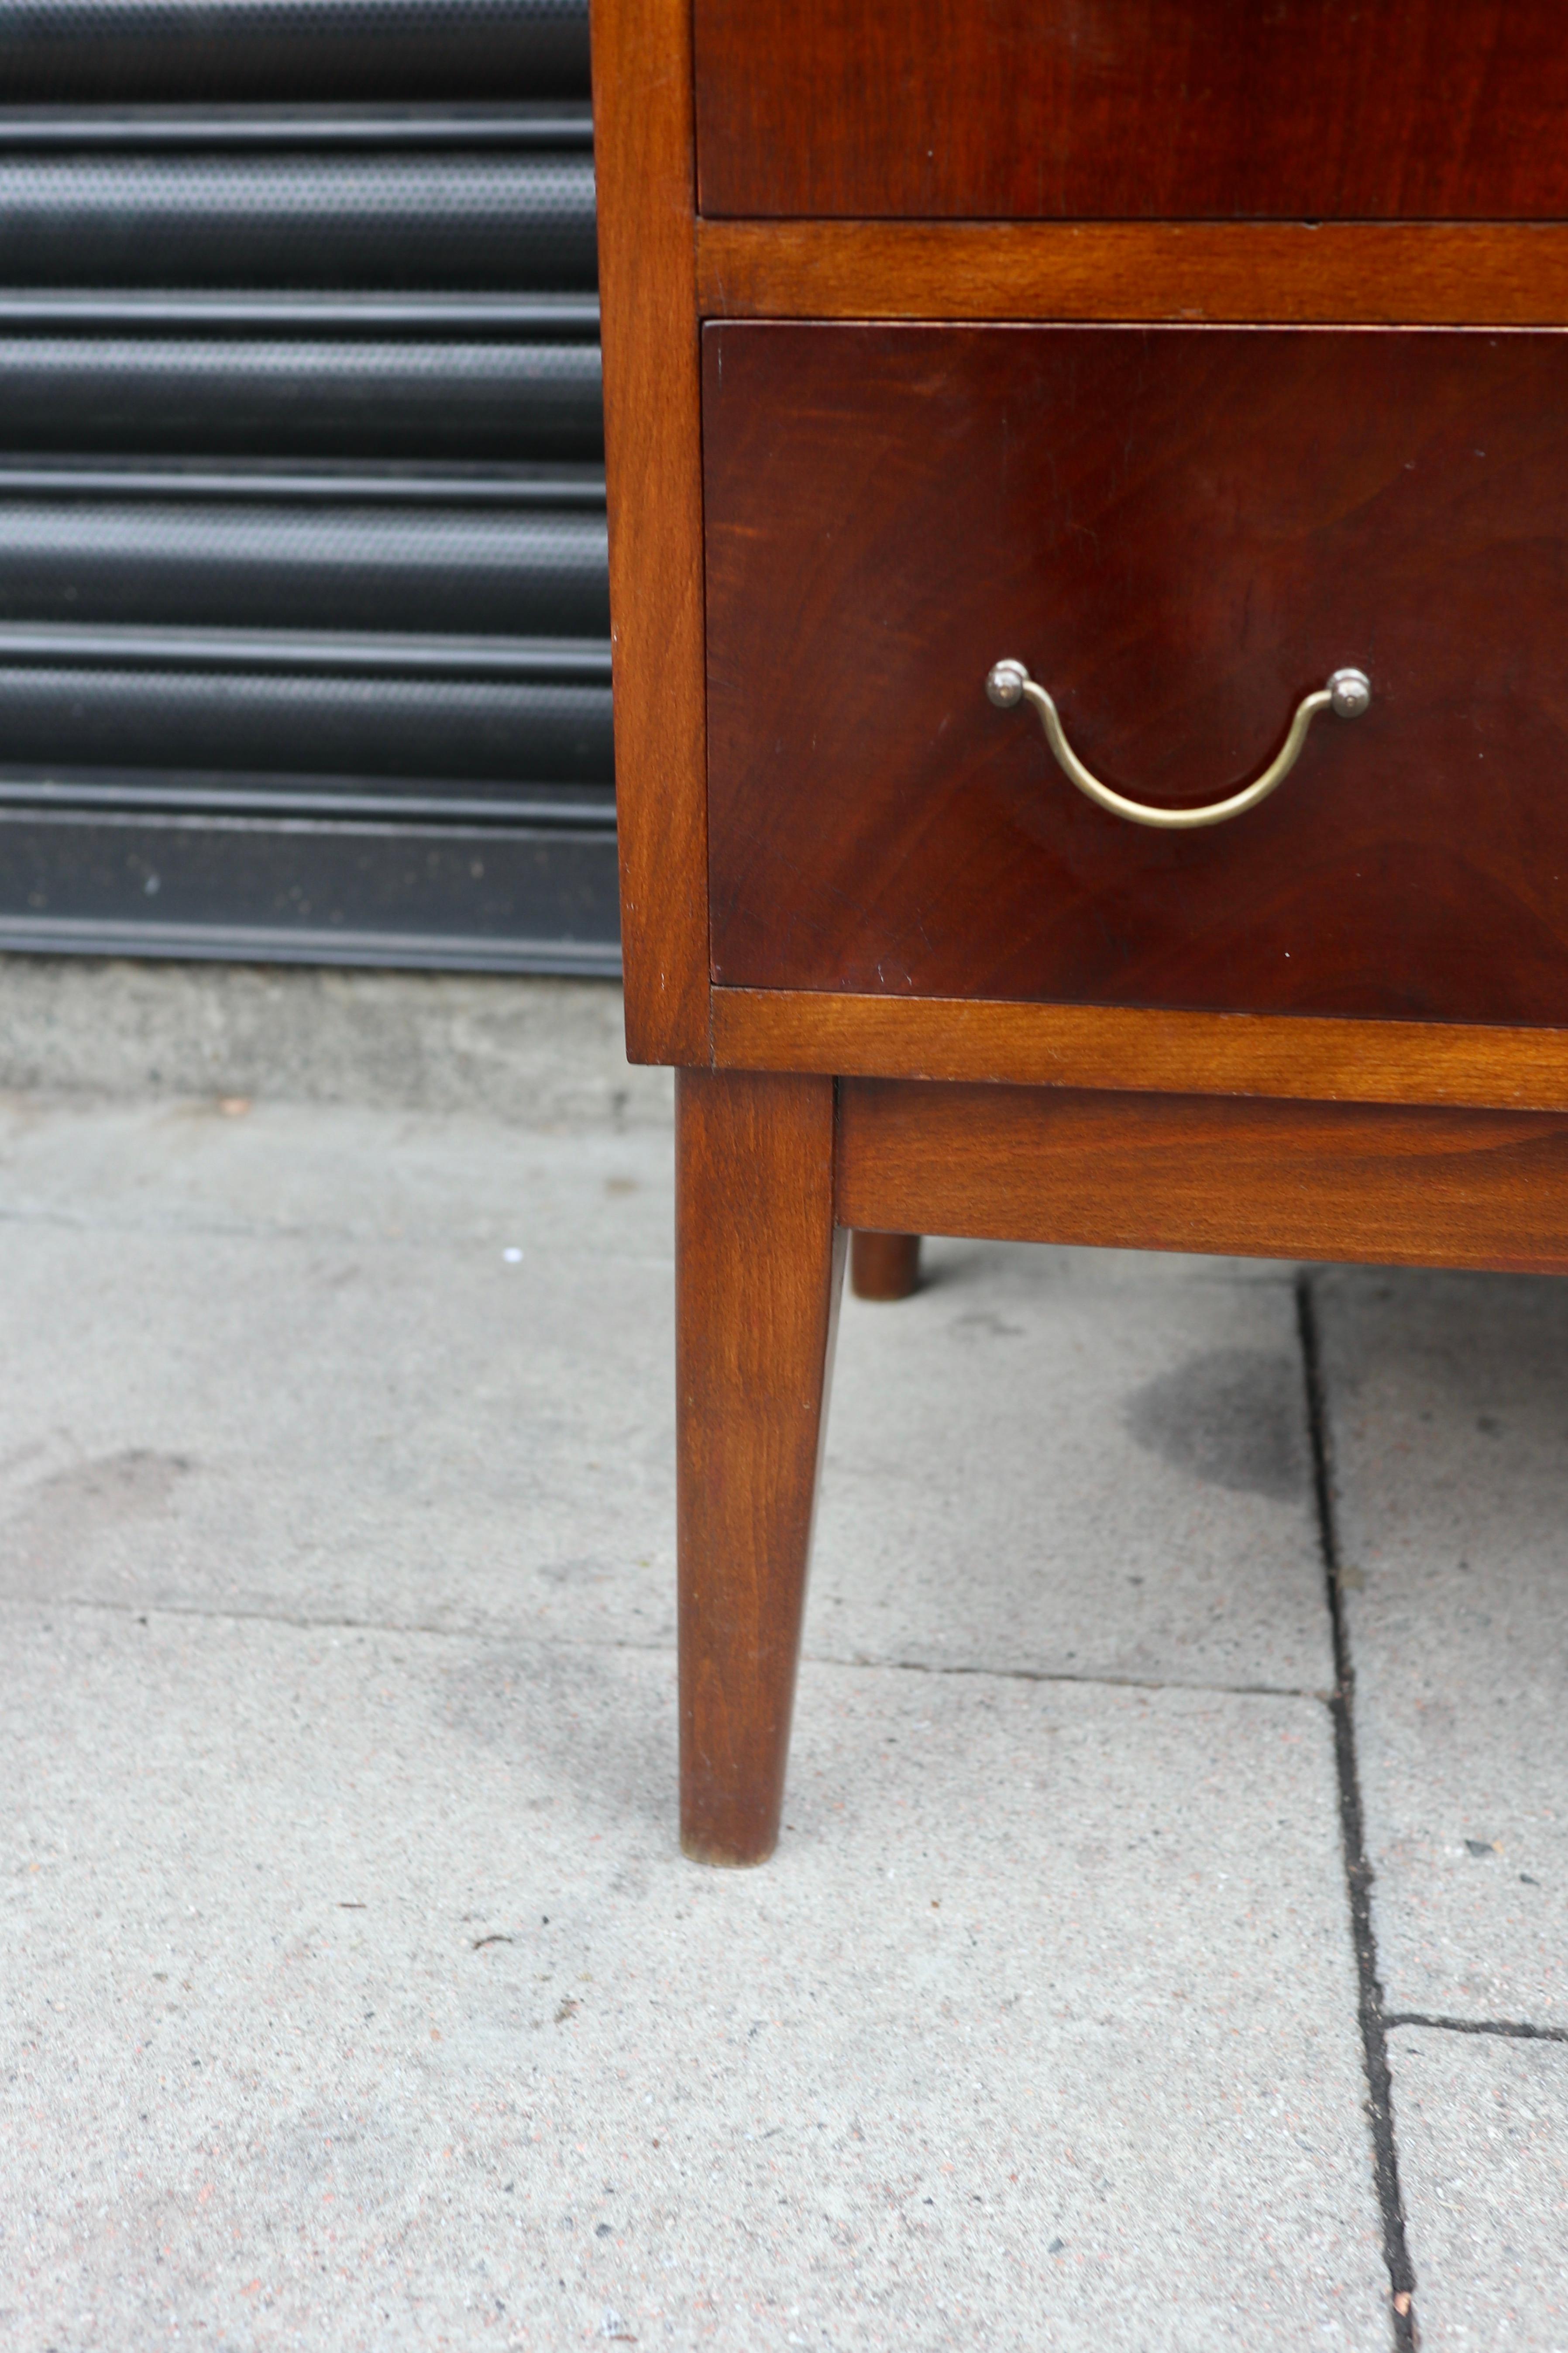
(355, 1993)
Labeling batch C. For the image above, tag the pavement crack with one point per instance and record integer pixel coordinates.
(325, 1623)
(1519, 2028)
(307, 1621)
(1375, 2024)
(1071, 1675)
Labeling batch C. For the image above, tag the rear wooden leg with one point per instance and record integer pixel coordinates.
(884, 1266)
(758, 1266)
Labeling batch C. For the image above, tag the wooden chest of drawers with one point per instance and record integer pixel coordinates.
(1208, 367)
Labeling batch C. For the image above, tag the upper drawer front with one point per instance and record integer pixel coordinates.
(1057, 110)
(1181, 531)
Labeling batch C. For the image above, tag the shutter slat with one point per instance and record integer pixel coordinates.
(303, 397)
(251, 221)
(322, 566)
(57, 716)
(422, 51)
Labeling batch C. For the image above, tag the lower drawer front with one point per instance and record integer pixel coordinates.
(1181, 533)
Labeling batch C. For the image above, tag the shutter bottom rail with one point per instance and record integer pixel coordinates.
(490, 898)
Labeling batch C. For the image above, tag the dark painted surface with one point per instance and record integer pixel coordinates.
(528, 898)
(302, 551)
(300, 50)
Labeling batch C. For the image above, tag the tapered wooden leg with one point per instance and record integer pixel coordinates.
(884, 1266)
(758, 1269)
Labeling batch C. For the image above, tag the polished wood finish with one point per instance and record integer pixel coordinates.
(1180, 531)
(1350, 1181)
(1133, 109)
(1294, 1056)
(1299, 273)
(1334, 1031)
(643, 146)
(758, 1269)
(884, 1266)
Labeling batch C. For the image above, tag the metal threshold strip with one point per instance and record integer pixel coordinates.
(579, 660)
(546, 314)
(579, 485)
(569, 124)
(283, 943)
(206, 823)
(585, 809)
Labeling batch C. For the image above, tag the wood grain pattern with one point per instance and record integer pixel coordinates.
(1181, 531)
(1338, 1030)
(884, 1266)
(1339, 1181)
(643, 142)
(758, 1269)
(1501, 274)
(1133, 109)
(1297, 1057)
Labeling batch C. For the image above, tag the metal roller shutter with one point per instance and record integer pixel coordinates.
(305, 627)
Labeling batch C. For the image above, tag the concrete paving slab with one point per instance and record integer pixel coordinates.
(1075, 1462)
(514, 1048)
(324, 1424)
(1483, 2136)
(356, 1995)
(1447, 1402)
(280, 1360)
(229, 1166)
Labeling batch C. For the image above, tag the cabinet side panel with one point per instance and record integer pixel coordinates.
(642, 109)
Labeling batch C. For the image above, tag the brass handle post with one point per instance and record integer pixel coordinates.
(1347, 693)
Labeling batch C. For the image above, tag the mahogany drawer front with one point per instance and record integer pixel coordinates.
(1181, 533)
(1133, 109)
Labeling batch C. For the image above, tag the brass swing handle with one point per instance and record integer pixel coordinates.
(1347, 693)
